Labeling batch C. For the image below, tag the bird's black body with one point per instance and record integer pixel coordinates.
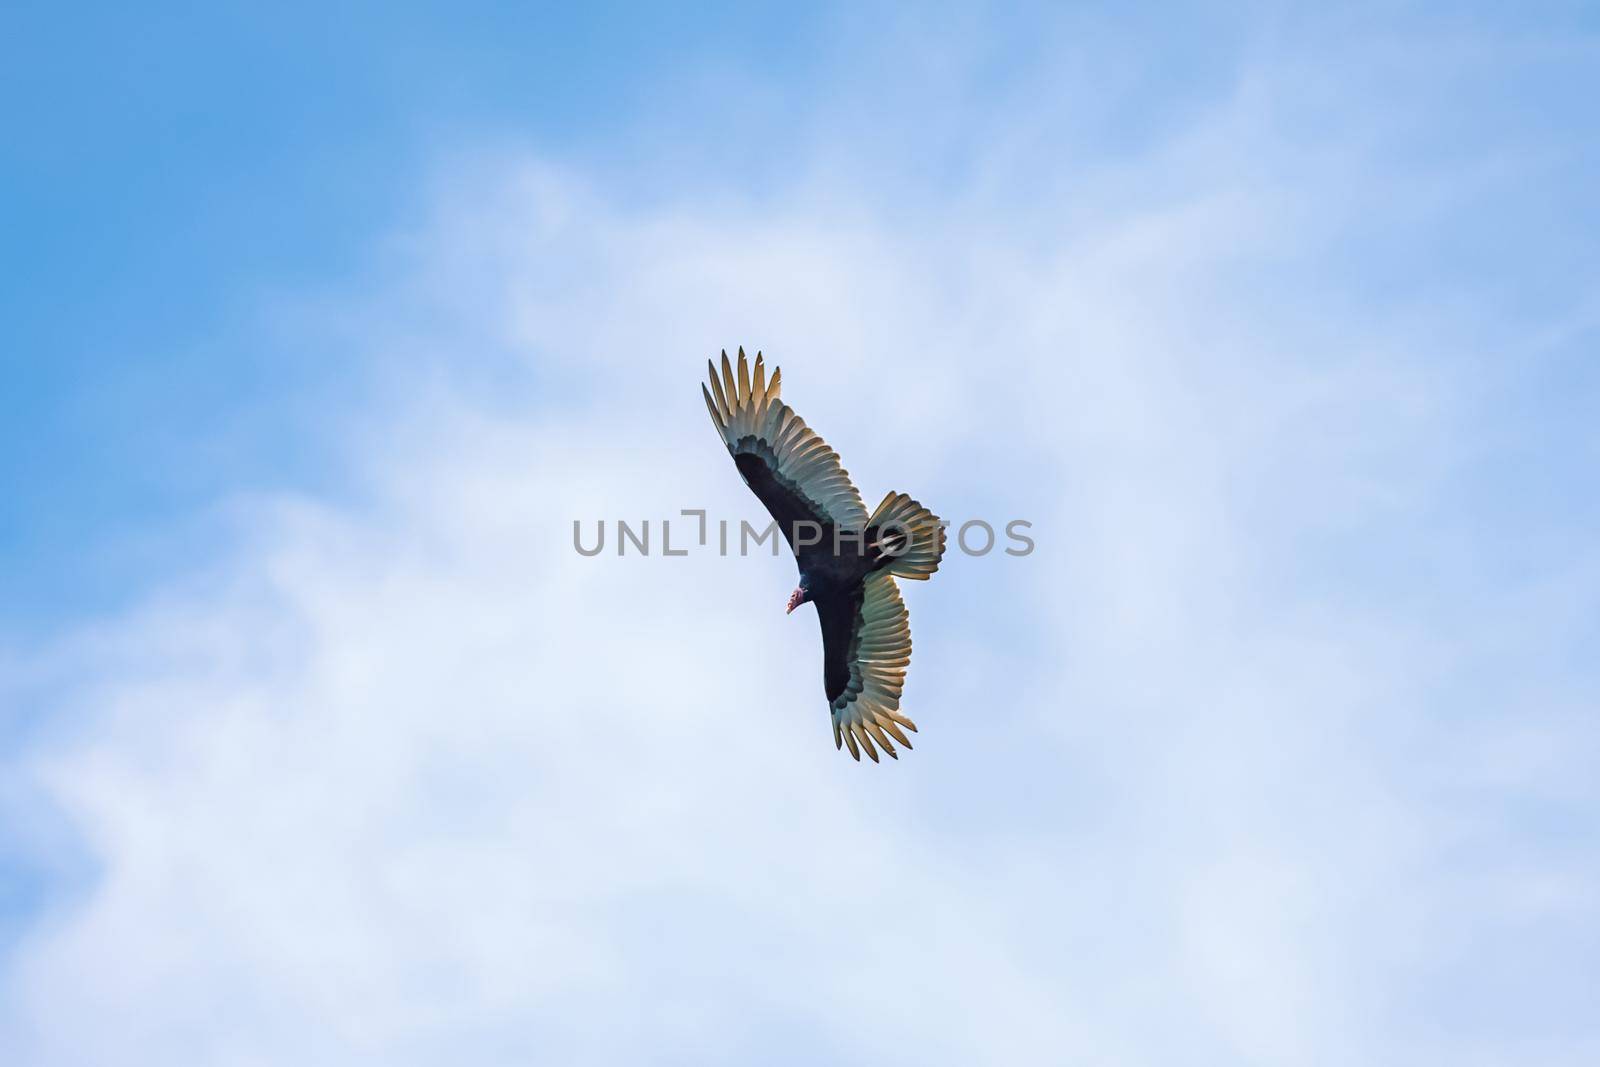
(848, 560)
(836, 611)
(834, 563)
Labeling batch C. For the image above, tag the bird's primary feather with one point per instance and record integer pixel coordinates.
(786, 463)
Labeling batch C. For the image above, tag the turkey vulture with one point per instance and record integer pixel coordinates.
(848, 559)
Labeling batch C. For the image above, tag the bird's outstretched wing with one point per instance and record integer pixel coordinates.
(866, 644)
(783, 461)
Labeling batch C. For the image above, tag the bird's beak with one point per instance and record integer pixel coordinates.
(796, 598)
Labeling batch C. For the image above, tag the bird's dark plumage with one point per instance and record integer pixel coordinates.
(848, 560)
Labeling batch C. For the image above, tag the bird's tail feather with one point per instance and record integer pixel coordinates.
(900, 519)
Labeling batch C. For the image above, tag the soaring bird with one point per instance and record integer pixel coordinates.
(848, 560)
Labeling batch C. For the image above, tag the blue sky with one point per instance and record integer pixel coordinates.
(168, 177)
(166, 174)
(320, 327)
